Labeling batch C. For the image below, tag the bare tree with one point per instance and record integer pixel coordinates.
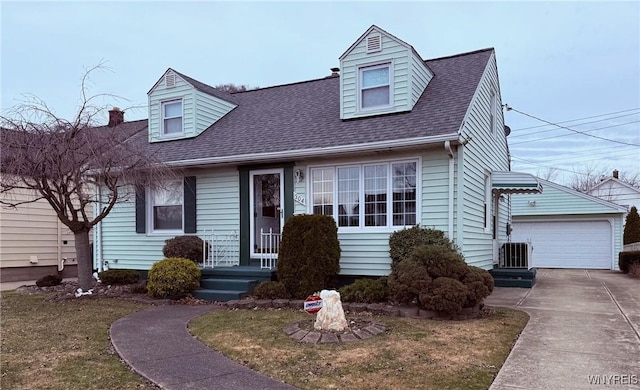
(591, 175)
(81, 170)
(549, 174)
(232, 88)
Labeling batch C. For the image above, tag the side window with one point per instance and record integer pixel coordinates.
(375, 86)
(166, 206)
(172, 117)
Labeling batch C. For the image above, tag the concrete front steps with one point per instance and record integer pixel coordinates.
(230, 283)
(514, 277)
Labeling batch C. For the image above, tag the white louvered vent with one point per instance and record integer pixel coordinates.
(374, 43)
(170, 80)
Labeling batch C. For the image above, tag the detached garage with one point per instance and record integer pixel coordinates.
(568, 229)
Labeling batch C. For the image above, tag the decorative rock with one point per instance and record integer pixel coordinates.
(311, 337)
(348, 337)
(391, 310)
(329, 338)
(297, 304)
(362, 334)
(264, 303)
(374, 330)
(299, 335)
(233, 303)
(291, 329)
(280, 303)
(376, 308)
(409, 311)
(247, 304)
(427, 314)
(358, 307)
(331, 316)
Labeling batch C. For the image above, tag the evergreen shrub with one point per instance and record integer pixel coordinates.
(626, 259)
(49, 280)
(187, 247)
(271, 290)
(309, 255)
(632, 227)
(365, 291)
(403, 242)
(119, 276)
(173, 277)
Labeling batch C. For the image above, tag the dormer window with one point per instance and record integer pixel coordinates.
(375, 86)
(172, 118)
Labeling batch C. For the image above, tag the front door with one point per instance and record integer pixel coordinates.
(266, 203)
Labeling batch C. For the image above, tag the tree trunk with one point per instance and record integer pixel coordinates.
(85, 262)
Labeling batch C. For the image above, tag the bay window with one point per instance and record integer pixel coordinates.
(366, 195)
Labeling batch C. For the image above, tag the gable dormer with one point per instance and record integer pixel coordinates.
(181, 107)
(380, 74)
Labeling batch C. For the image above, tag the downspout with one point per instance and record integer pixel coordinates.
(59, 246)
(447, 147)
(97, 239)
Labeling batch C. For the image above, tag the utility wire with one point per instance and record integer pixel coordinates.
(581, 132)
(579, 119)
(577, 124)
(529, 162)
(567, 128)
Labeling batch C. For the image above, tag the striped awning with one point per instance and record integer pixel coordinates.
(507, 182)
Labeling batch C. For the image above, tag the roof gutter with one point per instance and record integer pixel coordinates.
(317, 152)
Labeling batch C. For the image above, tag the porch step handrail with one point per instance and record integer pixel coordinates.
(220, 249)
(269, 247)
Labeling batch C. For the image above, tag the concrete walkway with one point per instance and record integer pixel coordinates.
(158, 346)
(584, 332)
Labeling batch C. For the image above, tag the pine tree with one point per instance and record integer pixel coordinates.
(632, 227)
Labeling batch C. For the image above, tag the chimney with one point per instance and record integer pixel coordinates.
(615, 174)
(116, 117)
(335, 72)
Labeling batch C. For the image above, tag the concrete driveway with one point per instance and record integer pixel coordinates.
(584, 332)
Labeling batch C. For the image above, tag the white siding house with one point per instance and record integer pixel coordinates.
(568, 229)
(391, 142)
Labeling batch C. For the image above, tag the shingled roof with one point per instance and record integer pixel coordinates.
(299, 117)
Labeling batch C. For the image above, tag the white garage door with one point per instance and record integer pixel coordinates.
(565, 244)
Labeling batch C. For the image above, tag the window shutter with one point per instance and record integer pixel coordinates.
(190, 204)
(141, 210)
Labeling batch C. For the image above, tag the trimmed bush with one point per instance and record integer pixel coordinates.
(49, 280)
(365, 291)
(187, 247)
(632, 227)
(309, 256)
(119, 276)
(270, 290)
(173, 277)
(407, 281)
(403, 242)
(625, 259)
(445, 295)
(437, 278)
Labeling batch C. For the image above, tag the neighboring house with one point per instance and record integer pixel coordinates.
(390, 142)
(568, 229)
(613, 190)
(33, 241)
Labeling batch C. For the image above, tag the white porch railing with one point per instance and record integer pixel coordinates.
(515, 254)
(220, 249)
(269, 247)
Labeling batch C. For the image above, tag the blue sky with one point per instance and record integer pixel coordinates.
(557, 61)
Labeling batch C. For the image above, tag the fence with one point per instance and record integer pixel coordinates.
(269, 247)
(220, 249)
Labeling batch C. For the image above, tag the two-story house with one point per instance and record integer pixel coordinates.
(388, 141)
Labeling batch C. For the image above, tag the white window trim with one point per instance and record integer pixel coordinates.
(163, 134)
(389, 228)
(377, 65)
(488, 203)
(493, 109)
(150, 204)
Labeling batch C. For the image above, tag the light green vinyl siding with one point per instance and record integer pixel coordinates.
(420, 77)
(435, 189)
(199, 110)
(218, 207)
(209, 110)
(556, 199)
(300, 189)
(408, 80)
(484, 152)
